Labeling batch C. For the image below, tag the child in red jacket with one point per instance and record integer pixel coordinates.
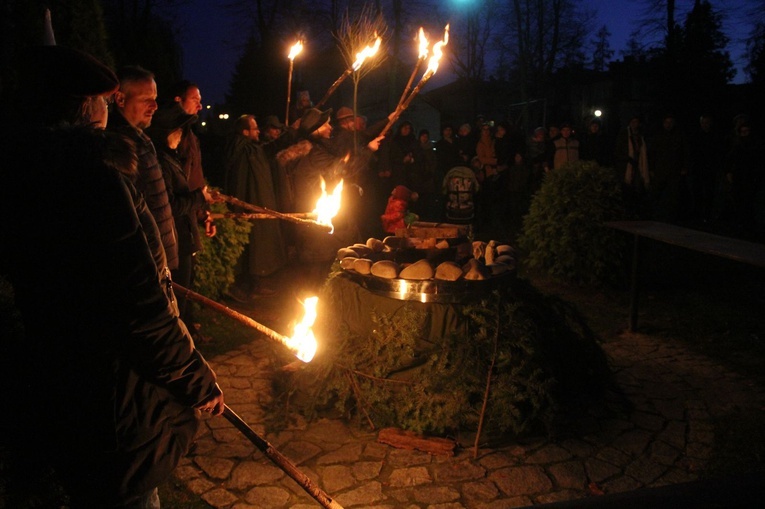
(395, 211)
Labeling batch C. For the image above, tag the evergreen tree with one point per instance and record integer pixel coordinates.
(705, 67)
(755, 50)
(602, 52)
(141, 33)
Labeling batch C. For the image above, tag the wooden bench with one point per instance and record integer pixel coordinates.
(717, 245)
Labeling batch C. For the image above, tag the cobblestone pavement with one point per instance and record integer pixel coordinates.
(666, 438)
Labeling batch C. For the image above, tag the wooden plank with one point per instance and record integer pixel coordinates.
(409, 440)
(725, 247)
(423, 230)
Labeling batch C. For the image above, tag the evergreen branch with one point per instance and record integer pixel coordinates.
(357, 392)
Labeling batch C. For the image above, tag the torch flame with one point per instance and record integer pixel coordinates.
(367, 52)
(328, 206)
(437, 53)
(423, 45)
(303, 342)
(295, 50)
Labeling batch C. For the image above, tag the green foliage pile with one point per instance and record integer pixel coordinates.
(216, 262)
(537, 354)
(563, 234)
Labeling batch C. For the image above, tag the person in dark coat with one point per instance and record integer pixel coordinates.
(250, 179)
(168, 127)
(107, 379)
(134, 105)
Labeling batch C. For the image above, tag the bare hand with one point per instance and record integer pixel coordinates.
(374, 145)
(213, 406)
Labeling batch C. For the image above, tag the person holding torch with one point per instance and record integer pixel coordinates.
(106, 382)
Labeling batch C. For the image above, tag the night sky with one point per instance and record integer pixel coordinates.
(210, 51)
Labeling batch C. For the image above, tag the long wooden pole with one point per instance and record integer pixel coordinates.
(289, 93)
(263, 210)
(280, 460)
(246, 320)
(257, 215)
(334, 86)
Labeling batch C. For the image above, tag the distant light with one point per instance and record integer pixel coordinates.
(204, 124)
(208, 106)
(223, 116)
(597, 113)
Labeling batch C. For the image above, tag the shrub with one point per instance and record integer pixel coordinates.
(216, 262)
(564, 234)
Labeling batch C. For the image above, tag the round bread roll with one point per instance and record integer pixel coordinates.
(347, 262)
(497, 268)
(394, 242)
(505, 249)
(361, 249)
(448, 271)
(363, 266)
(387, 269)
(507, 260)
(376, 245)
(345, 252)
(419, 270)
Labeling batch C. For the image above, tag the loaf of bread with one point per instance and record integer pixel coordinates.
(345, 252)
(361, 249)
(347, 262)
(385, 268)
(363, 266)
(497, 268)
(474, 270)
(376, 245)
(448, 271)
(419, 270)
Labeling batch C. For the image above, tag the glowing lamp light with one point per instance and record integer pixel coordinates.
(597, 113)
(302, 341)
(367, 52)
(328, 205)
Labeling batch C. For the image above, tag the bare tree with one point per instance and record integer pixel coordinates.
(355, 34)
(542, 37)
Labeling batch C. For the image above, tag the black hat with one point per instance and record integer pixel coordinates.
(273, 121)
(312, 119)
(66, 72)
(169, 118)
(344, 112)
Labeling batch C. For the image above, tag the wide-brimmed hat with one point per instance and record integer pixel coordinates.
(169, 118)
(312, 119)
(273, 121)
(344, 112)
(67, 72)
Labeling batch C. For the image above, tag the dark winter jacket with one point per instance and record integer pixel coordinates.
(184, 203)
(106, 374)
(151, 184)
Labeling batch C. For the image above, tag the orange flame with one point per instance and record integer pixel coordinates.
(328, 206)
(367, 52)
(295, 50)
(437, 53)
(303, 342)
(423, 45)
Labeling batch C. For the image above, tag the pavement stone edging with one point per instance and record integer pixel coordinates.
(666, 439)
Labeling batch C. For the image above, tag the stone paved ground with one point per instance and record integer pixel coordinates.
(665, 439)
